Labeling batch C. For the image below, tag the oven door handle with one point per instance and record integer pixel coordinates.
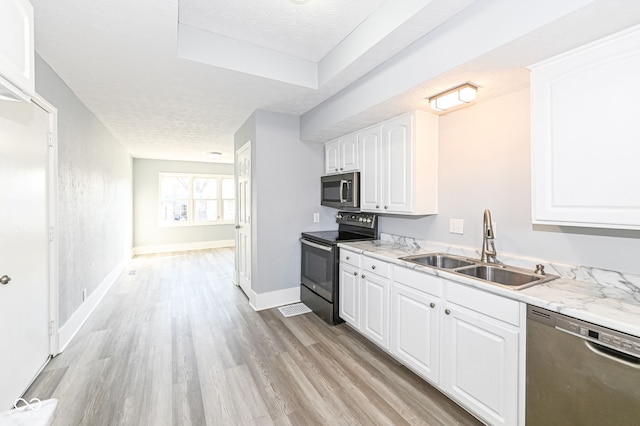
(318, 246)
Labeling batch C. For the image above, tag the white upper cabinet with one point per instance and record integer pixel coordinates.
(16, 50)
(370, 172)
(399, 165)
(584, 138)
(341, 155)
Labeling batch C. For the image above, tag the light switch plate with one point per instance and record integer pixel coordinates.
(456, 226)
(316, 218)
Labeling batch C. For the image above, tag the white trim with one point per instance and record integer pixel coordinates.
(52, 218)
(78, 318)
(166, 248)
(273, 299)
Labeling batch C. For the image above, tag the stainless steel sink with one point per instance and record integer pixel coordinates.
(504, 276)
(497, 274)
(438, 260)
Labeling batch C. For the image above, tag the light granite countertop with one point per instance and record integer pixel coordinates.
(607, 298)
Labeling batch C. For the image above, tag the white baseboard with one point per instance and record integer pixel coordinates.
(273, 299)
(78, 318)
(166, 248)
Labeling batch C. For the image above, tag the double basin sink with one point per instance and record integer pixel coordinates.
(493, 273)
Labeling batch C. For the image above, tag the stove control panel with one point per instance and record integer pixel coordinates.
(363, 220)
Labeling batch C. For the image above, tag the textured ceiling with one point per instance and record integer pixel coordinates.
(120, 58)
(307, 31)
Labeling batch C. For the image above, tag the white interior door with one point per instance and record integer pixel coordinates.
(24, 243)
(243, 225)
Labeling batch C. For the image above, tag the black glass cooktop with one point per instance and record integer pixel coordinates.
(336, 236)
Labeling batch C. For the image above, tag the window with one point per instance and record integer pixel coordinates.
(187, 199)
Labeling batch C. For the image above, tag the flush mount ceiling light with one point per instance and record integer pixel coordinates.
(214, 155)
(455, 97)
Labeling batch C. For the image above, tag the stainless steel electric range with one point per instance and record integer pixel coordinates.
(320, 257)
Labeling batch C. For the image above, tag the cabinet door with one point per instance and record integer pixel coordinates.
(16, 45)
(332, 157)
(480, 364)
(375, 309)
(349, 293)
(349, 153)
(370, 172)
(584, 156)
(415, 326)
(397, 164)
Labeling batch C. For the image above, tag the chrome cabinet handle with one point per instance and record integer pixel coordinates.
(373, 266)
(385, 207)
(377, 206)
(4, 280)
(348, 257)
(362, 275)
(447, 311)
(433, 305)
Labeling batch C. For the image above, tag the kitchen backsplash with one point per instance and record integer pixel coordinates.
(610, 283)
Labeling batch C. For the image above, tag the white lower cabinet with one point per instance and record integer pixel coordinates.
(415, 330)
(465, 341)
(364, 296)
(375, 308)
(349, 288)
(480, 364)
(349, 293)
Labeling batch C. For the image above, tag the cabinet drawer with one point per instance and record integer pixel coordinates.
(350, 257)
(497, 307)
(376, 266)
(417, 280)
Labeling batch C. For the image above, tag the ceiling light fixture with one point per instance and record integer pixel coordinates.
(214, 155)
(454, 97)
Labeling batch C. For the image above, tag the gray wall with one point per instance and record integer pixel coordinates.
(94, 195)
(484, 162)
(147, 231)
(285, 194)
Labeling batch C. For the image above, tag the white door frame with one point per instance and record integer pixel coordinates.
(52, 201)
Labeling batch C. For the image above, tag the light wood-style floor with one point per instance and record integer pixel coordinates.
(176, 343)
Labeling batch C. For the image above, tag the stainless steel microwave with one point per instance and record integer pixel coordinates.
(341, 191)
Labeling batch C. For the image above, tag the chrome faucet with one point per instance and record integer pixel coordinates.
(488, 247)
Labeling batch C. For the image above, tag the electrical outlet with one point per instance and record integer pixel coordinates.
(456, 226)
(84, 294)
(316, 218)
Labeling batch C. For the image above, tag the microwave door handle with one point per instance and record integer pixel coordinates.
(343, 183)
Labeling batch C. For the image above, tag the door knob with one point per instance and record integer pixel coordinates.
(5, 279)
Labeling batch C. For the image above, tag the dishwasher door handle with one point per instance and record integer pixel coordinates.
(613, 355)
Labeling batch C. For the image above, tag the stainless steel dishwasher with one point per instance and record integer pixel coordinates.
(580, 373)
